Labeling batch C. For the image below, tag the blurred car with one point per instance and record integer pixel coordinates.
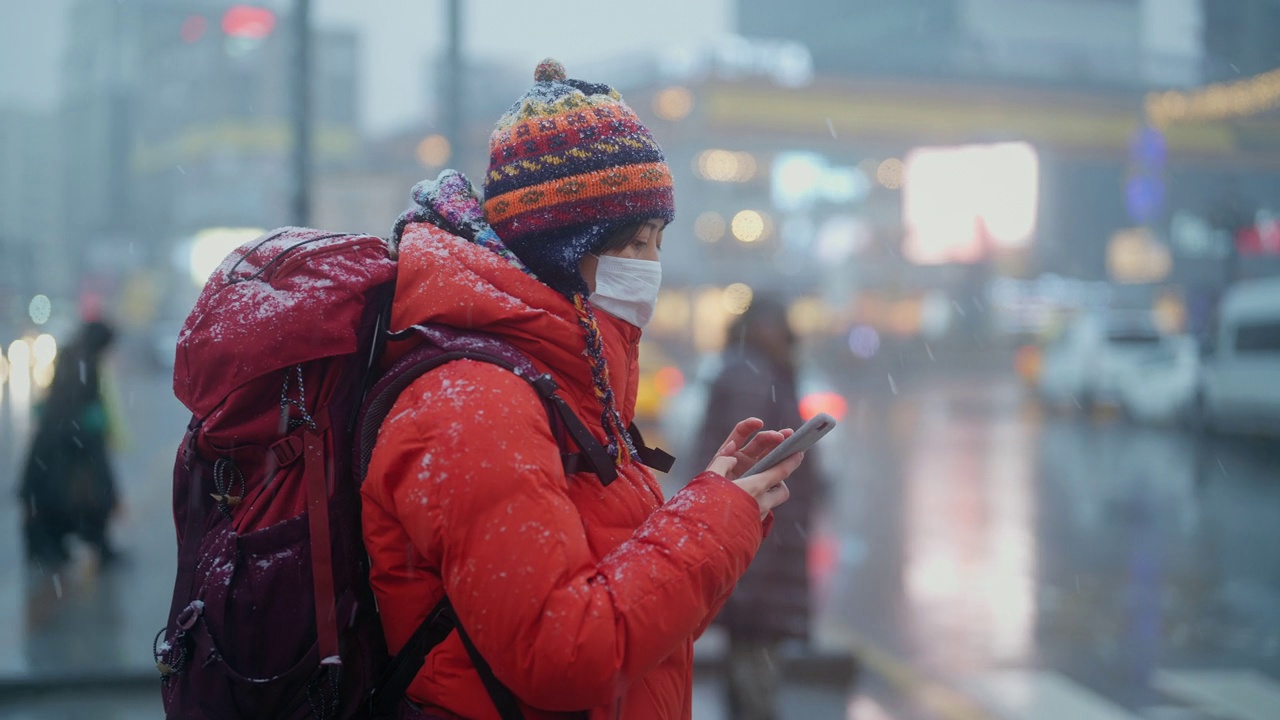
(1239, 389)
(1161, 387)
(1085, 364)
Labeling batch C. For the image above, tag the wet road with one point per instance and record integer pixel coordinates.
(1040, 562)
(984, 560)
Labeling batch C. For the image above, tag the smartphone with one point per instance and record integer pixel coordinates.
(803, 439)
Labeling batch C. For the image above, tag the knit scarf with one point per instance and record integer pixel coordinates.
(450, 202)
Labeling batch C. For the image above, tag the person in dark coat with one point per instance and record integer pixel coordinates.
(770, 604)
(68, 487)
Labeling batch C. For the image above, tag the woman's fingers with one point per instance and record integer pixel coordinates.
(761, 482)
(743, 430)
(769, 487)
(723, 464)
(763, 443)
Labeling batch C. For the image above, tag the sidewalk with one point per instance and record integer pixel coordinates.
(78, 643)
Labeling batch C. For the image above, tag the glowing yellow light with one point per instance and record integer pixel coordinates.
(1134, 255)
(808, 315)
(709, 319)
(673, 103)
(44, 349)
(1213, 102)
(737, 298)
(42, 375)
(709, 227)
(889, 173)
(672, 312)
(19, 356)
(725, 166)
(750, 226)
(434, 151)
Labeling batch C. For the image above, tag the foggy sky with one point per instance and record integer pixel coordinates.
(396, 38)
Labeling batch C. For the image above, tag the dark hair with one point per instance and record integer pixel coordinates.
(766, 310)
(617, 238)
(95, 337)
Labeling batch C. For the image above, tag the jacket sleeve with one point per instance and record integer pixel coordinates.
(477, 481)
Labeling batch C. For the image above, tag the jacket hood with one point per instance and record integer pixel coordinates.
(444, 279)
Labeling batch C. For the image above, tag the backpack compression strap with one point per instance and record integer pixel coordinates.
(442, 346)
(385, 699)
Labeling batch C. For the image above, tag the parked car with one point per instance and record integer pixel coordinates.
(1239, 388)
(1161, 387)
(1085, 364)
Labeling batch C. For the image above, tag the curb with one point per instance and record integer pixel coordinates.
(15, 689)
(836, 672)
(833, 671)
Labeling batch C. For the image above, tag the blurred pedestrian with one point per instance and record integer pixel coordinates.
(68, 487)
(770, 604)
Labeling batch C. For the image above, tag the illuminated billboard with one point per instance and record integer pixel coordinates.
(961, 203)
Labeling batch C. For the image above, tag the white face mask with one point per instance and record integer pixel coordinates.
(627, 288)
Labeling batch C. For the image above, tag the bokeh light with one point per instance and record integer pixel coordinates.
(737, 298)
(673, 103)
(830, 403)
(434, 151)
(889, 173)
(864, 341)
(709, 227)
(40, 309)
(725, 166)
(44, 349)
(750, 226)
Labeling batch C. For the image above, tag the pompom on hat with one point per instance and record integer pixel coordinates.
(569, 163)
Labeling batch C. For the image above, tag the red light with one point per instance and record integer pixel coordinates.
(823, 402)
(193, 28)
(245, 21)
(669, 380)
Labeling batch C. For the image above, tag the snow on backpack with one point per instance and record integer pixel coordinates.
(272, 614)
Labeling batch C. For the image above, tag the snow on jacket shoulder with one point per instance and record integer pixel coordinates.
(581, 597)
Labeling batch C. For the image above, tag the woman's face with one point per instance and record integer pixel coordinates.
(644, 245)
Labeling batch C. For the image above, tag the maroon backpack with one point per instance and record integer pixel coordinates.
(272, 614)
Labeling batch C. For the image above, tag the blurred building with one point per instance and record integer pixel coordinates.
(1240, 38)
(892, 161)
(1107, 42)
(178, 120)
(32, 206)
(370, 193)
(31, 201)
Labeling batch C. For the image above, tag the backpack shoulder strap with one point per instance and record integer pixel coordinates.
(440, 345)
(442, 620)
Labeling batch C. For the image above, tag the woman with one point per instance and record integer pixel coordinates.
(771, 603)
(583, 598)
(68, 487)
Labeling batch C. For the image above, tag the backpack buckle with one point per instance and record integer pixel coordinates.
(288, 449)
(545, 385)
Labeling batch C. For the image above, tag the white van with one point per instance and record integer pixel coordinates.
(1240, 367)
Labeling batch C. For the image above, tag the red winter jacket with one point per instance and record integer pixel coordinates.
(580, 597)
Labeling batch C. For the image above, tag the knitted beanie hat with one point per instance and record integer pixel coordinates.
(568, 163)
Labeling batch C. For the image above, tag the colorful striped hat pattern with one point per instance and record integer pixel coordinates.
(568, 163)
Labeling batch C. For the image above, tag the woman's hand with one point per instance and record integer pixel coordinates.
(768, 488)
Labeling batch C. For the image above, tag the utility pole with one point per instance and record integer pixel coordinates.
(300, 209)
(453, 115)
